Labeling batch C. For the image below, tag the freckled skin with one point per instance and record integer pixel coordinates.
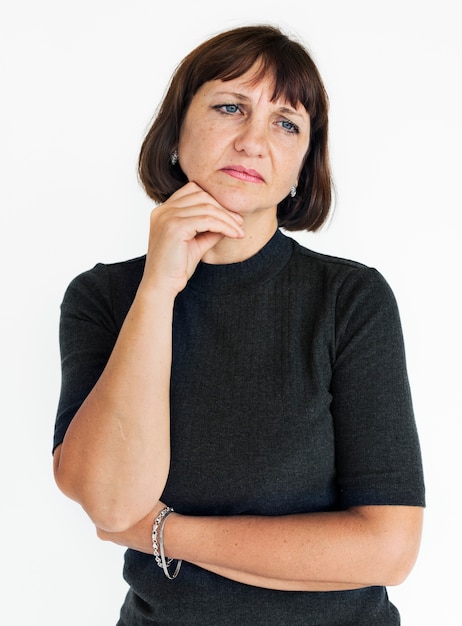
(234, 123)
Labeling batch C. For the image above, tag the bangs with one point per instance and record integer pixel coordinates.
(292, 84)
(296, 79)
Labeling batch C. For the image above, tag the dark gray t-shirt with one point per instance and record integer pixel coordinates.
(289, 394)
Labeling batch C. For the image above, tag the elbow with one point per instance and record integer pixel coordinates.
(400, 550)
(113, 519)
(394, 534)
(117, 517)
(396, 572)
(401, 563)
(109, 510)
(64, 477)
(106, 512)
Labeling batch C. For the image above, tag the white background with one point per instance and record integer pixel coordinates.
(79, 83)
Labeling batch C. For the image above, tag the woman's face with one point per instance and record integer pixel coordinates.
(240, 147)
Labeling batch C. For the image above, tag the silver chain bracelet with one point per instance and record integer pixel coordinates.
(158, 543)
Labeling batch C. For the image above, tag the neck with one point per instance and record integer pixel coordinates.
(257, 235)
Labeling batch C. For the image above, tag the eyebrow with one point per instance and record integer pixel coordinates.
(285, 110)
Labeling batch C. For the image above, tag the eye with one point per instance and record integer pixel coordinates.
(290, 127)
(227, 109)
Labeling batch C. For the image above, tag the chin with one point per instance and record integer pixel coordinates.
(237, 200)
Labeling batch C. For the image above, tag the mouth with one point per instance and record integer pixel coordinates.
(242, 173)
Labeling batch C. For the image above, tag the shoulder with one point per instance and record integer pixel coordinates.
(108, 275)
(348, 292)
(105, 286)
(329, 264)
(337, 273)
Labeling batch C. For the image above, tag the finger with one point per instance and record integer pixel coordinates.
(193, 226)
(194, 194)
(206, 241)
(191, 190)
(198, 218)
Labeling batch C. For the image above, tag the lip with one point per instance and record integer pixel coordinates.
(242, 173)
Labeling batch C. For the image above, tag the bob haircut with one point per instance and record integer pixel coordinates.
(227, 56)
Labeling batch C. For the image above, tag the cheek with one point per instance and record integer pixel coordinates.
(197, 150)
(299, 162)
(289, 172)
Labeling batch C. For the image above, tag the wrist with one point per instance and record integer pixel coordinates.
(189, 537)
(150, 291)
(161, 556)
(171, 531)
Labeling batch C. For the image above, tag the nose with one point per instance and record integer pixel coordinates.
(252, 138)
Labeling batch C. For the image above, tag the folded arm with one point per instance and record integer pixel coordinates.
(363, 546)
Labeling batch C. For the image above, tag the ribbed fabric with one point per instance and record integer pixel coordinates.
(289, 394)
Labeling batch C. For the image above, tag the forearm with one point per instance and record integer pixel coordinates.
(295, 550)
(139, 538)
(309, 552)
(114, 459)
(278, 584)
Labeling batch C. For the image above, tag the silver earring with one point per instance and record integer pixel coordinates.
(174, 157)
(293, 191)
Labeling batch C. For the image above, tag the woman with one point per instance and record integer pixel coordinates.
(233, 400)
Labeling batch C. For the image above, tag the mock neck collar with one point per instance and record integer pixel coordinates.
(259, 268)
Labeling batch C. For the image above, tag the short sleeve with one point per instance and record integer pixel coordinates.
(87, 335)
(378, 459)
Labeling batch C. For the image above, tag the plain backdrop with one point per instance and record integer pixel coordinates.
(79, 84)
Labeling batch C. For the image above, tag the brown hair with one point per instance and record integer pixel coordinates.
(226, 57)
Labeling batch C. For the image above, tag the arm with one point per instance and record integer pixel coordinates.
(364, 546)
(114, 459)
(115, 454)
(356, 547)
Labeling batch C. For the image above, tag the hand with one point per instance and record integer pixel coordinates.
(182, 230)
(138, 537)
